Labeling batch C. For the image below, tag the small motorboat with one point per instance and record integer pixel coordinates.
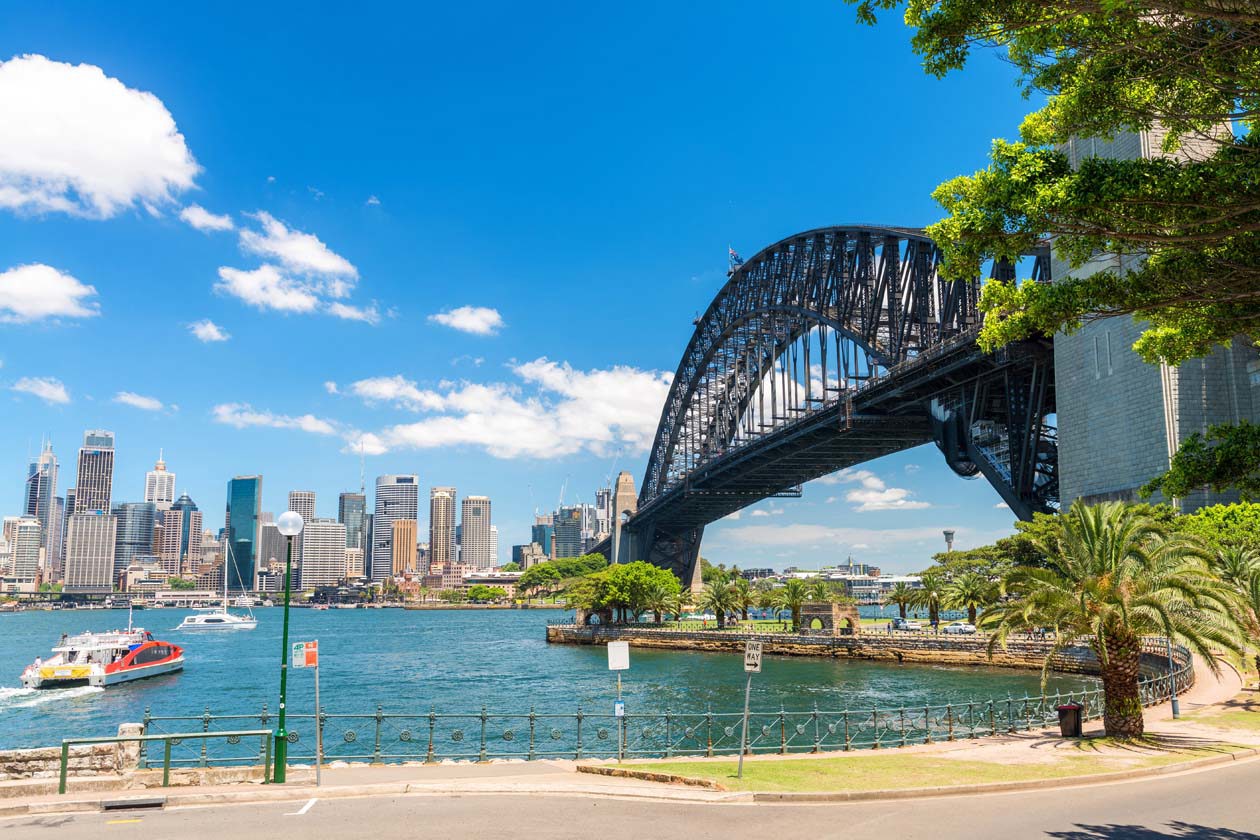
(104, 659)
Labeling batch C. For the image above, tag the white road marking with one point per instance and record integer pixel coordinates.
(303, 809)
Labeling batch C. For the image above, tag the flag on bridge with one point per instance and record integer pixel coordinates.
(734, 260)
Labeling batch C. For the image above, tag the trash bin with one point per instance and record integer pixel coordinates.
(1070, 719)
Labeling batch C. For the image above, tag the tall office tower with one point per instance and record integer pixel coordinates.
(272, 548)
(543, 532)
(90, 552)
(323, 553)
(24, 542)
(189, 530)
(403, 542)
(7, 526)
(65, 530)
(244, 503)
(567, 537)
(494, 545)
(441, 525)
(159, 485)
(351, 512)
(603, 511)
(94, 483)
(422, 558)
(55, 551)
(354, 563)
(477, 546)
(397, 497)
(302, 502)
(41, 491)
(133, 535)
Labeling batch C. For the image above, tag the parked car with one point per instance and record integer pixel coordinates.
(906, 624)
(959, 628)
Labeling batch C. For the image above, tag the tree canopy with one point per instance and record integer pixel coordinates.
(627, 588)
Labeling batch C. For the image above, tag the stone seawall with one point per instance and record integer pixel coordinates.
(921, 648)
(85, 760)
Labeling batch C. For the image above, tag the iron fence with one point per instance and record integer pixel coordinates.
(387, 737)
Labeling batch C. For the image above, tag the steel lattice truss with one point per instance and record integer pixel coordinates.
(827, 349)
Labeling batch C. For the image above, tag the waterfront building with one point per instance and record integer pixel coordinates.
(442, 525)
(477, 545)
(41, 494)
(403, 546)
(244, 504)
(543, 533)
(94, 482)
(22, 569)
(133, 535)
(323, 553)
(90, 552)
(354, 563)
(567, 535)
(351, 512)
(159, 485)
(397, 497)
(756, 574)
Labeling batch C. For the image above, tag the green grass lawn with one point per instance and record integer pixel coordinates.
(1243, 712)
(893, 771)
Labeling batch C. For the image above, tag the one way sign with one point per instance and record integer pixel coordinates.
(752, 657)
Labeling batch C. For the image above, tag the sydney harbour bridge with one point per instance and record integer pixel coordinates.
(827, 349)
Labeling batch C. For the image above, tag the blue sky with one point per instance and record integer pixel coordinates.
(471, 237)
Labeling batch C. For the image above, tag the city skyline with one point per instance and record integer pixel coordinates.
(495, 299)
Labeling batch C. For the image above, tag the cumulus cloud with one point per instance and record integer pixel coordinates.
(74, 140)
(367, 314)
(47, 388)
(760, 512)
(138, 401)
(202, 219)
(373, 201)
(266, 287)
(478, 320)
(300, 253)
(331, 387)
(208, 331)
(243, 415)
(550, 411)
(872, 493)
(37, 291)
(911, 469)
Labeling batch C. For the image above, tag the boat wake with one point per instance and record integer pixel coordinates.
(25, 698)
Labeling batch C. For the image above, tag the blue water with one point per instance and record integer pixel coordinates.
(453, 661)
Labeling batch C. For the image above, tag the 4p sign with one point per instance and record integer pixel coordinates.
(306, 654)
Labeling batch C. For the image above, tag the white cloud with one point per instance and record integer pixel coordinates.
(859, 545)
(202, 219)
(553, 411)
(367, 314)
(331, 387)
(300, 253)
(208, 331)
(911, 469)
(478, 320)
(138, 401)
(36, 291)
(873, 494)
(266, 287)
(731, 517)
(76, 141)
(47, 388)
(1000, 506)
(832, 500)
(243, 415)
(760, 512)
(373, 201)
(783, 536)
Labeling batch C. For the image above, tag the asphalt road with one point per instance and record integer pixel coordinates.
(1219, 804)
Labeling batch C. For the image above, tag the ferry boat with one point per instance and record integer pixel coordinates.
(104, 659)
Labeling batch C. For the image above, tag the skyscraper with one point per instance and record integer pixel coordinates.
(441, 526)
(543, 532)
(244, 504)
(568, 539)
(94, 482)
(397, 497)
(351, 510)
(302, 502)
(323, 553)
(476, 541)
(133, 535)
(90, 552)
(180, 542)
(24, 542)
(159, 485)
(41, 493)
(404, 547)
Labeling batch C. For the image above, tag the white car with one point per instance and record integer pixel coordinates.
(961, 628)
(905, 624)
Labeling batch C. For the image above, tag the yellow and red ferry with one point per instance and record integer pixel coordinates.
(104, 659)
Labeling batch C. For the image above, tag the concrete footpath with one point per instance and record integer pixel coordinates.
(1206, 742)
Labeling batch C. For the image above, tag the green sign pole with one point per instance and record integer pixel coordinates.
(282, 739)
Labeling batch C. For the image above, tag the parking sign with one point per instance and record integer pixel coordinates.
(305, 654)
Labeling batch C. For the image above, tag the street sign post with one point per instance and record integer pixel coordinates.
(752, 665)
(619, 660)
(306, 655)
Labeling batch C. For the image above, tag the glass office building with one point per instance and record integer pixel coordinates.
(244, 504)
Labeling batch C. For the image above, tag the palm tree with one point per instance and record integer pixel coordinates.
(1116, 575)
(970, 591)
(931, 594)
(678, 602)
(821, 590)
(902, 595)
(658, 598)
(744, 596)
(791, 596)
(1239, 568)
(721, 600)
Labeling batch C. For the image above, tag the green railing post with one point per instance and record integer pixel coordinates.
(531, 733)
(847, 740)
(782, 731)
(669, 734)
(144, 747)
(816, 733)
(205, 742)
(949, 721)
(579, 732)
(267, 768)
(428, 756)
(65, 766)
(376, 749)
(874, 729)
(903, 726)
(166, 762)
(482, 755)
(708, 723)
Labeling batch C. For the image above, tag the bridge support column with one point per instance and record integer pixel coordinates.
(673, 548)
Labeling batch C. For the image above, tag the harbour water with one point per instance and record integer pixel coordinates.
(451, 661)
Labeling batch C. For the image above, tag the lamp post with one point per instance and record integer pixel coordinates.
(289, 524)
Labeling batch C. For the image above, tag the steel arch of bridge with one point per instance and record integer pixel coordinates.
(830, 348)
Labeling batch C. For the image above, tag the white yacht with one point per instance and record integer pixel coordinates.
(218, 618)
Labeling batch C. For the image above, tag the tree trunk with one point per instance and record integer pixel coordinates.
(745, 612)
(1122, 702)
(721, 619)
(657, 616)
(901, 608)
(971, 614)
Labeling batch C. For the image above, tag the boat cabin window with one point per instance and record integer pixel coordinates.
(151, 654)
